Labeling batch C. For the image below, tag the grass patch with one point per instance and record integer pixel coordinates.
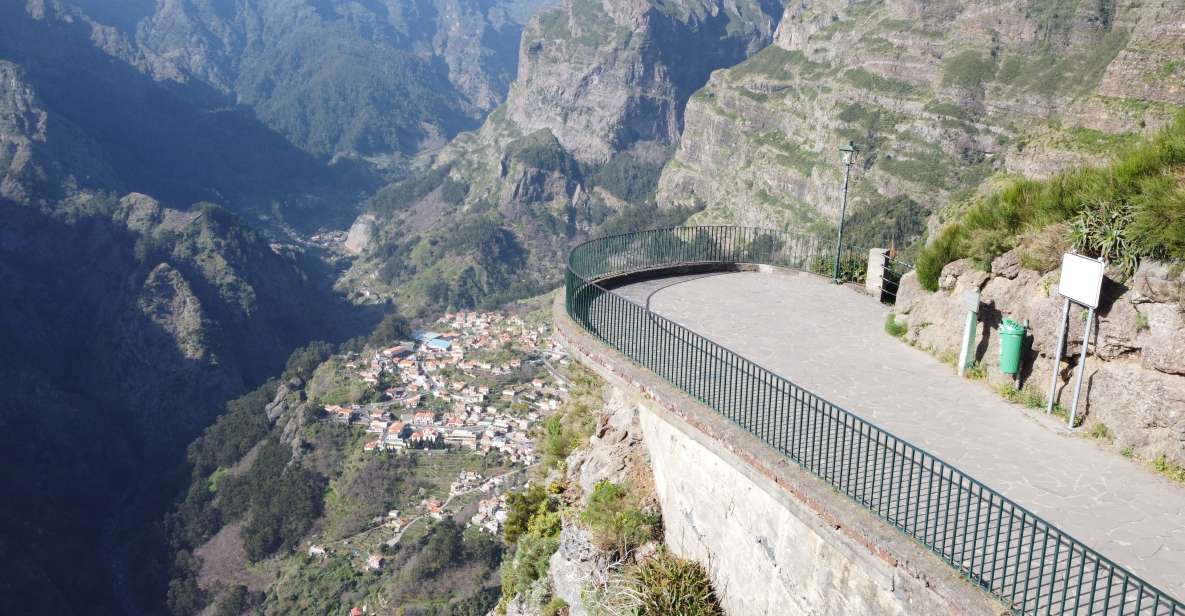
(791, 154)
(1141, 178)
(1100, 431)
(976, 372)
(617, 519)
(1099, 142)
(967, 69)
(875, 83)
(1051, 70)
(777, 63)
(893, 328)
(1169, 469)
(555, 607)
(575, 421)
(1028, 397)
(660, 586)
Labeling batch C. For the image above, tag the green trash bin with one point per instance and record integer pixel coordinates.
(1012, 338)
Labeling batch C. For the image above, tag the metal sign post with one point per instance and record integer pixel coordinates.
(971, 303)
(1081, 283)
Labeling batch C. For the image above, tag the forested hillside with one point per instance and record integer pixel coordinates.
(378, 80)
(576, 150)
(126, 325)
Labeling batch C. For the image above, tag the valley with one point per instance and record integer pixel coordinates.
(276, 336)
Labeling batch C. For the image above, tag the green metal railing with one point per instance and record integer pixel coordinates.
(1028, 563)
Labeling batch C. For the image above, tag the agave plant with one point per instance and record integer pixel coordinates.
(1102, 230)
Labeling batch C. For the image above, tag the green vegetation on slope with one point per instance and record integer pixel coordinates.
(1132, 208)
(618, 519)
(533, 528)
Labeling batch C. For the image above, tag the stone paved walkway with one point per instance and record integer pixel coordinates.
(831, 340)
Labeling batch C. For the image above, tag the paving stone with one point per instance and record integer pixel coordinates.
(830, 340)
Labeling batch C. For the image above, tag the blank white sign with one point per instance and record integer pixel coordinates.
(1082, 279)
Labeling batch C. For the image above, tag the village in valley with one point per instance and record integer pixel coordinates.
(473, 389)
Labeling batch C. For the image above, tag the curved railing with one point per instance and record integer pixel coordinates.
(1030, 564)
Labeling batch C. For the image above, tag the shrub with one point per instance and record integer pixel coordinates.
(893, 328)
(533, 528)
(661, 586)
(531, 506)
(852, 266)
(1101, 229)
(617, 521)
(575, 421)
(1131, 208)
(947, 247)
(627, 178)
(393, 328)
(234, 433)
(303, 361)
(555, 607)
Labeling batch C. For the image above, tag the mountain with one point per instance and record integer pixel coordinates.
(944, 98)
(577, 148)
(128, 321)
(127, 325)
(84, 111)
(381, 80)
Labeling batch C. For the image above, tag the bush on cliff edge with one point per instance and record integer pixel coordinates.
(1146, 179)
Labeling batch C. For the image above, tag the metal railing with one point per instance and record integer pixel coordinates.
(891, 276)
(1028, 563)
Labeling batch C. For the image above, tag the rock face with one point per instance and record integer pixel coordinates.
(361, 234)
(589, 121)
(1135, 375)
(83, 108)
(940, 96)
(38, 153)
(443, 63)
(605, 74)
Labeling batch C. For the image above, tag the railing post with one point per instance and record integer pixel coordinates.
(874, 279)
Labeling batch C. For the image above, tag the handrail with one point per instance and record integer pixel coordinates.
(1025, 561)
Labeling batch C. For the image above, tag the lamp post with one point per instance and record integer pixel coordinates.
(849, 158)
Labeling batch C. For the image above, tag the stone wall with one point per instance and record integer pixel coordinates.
(1135, 375)
(774, 538)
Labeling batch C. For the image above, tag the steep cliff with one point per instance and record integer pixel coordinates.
(941, 96)
(589, 121)
(126, 325)
(83, 110)
(380, 80)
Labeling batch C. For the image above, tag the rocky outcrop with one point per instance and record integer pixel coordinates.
(604, 74)
(941, 97)
(1135, 374)
(615, 453)
(39, 151)
(596, 108)
(361, 234)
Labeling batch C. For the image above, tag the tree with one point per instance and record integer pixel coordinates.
(393, 328)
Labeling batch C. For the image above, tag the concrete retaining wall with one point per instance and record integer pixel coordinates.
(775, 539)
